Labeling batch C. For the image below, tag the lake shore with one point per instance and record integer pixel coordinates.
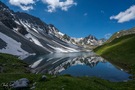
(61, 82)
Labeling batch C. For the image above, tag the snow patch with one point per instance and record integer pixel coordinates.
(24, 25)
(28, 25)
(16, 29)
(60, 33)
(67, 49)
(60, 49)
(78, 39)
(57, 49)
(34, 39)
(13, 47)
(17, 22)
(35, 64)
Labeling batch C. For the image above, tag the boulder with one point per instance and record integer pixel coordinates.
(21, 83)
(43, 78)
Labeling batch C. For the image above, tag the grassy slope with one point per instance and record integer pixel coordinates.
(17, 66)
(58, 83)
(120, 51)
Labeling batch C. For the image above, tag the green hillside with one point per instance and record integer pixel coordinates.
(121, 51)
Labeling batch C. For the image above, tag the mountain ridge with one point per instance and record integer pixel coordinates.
(33, 30)
(120, 34)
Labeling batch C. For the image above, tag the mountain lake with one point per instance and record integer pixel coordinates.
(77, 64)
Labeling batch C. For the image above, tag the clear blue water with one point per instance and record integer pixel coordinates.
(106, 71)
(77, 64)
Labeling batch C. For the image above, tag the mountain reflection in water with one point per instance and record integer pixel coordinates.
(76, 64)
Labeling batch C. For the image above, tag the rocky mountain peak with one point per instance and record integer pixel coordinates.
(91, 37)
(53, 28)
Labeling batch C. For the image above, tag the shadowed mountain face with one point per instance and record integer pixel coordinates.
(31, 35)
(22, 34)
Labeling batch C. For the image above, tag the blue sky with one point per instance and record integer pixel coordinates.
(80, 18)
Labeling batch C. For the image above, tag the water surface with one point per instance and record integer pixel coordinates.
(76, 64)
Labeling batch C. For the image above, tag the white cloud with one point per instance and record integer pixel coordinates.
(54, 4)
(23, 4)
(125, 16)
(108, 35)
